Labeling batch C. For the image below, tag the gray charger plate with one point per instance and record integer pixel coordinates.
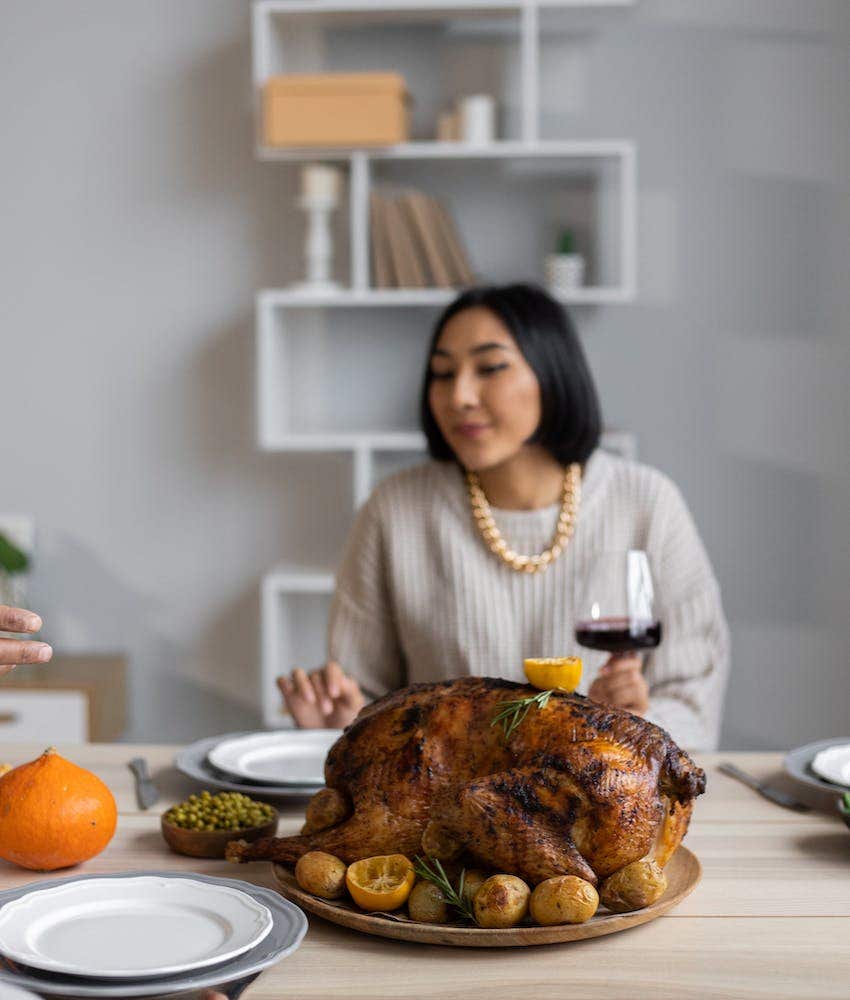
(192, 761)
(798, 763)
(288, 930)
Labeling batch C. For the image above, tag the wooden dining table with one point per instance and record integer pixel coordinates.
(770, 918)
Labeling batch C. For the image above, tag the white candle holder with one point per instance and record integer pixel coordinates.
(319, 245)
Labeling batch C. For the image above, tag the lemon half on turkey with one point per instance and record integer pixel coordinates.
(561, 673)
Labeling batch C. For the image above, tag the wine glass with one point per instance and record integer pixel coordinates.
(615, 610)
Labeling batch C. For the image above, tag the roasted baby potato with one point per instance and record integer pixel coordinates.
(327, 808)
(565, 899)
(322, 874)
(633, 887)
(427, 904)
(502, 901)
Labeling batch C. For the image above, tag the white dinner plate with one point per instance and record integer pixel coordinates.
(833, 764)
(284, 757)
(798, 763)
(289, 926)
(131, 928)
(193, 761)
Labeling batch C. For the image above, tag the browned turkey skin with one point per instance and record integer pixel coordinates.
(578, 789)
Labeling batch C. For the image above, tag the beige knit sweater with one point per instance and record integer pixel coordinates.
(420, 598)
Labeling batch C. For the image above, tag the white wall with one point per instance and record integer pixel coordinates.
(136, 227)
(734, 365)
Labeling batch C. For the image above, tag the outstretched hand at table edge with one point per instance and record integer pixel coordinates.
(16, 651)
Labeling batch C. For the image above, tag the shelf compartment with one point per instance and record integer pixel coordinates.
(438, 62)
(589, 187)
(323, 372)
(295, 606)
(322, 381)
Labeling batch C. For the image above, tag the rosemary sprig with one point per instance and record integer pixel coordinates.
(511, 713)
(437, 875)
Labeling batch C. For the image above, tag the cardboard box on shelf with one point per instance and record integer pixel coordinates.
(335, 109)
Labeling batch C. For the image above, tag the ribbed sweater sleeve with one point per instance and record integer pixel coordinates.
(687, 673)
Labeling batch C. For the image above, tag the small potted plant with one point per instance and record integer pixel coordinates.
(565, 268)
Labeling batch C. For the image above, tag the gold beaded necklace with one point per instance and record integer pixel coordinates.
(570, 503)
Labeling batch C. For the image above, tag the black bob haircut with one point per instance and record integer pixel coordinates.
(570, 421)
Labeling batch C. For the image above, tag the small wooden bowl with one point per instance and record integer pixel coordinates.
(212, 843)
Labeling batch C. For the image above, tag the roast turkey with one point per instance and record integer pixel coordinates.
(578, 788)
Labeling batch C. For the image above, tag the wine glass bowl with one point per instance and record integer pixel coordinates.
(615, 608)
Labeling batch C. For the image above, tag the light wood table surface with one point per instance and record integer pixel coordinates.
(771, 917)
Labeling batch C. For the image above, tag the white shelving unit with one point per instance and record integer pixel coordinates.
(443, 49)
(319, 389)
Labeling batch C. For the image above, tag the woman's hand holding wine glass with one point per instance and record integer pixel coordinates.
(621, 684)
(616, 615)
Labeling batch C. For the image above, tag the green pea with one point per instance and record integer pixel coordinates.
(223, 811)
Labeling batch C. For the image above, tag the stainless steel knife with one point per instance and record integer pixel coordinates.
(146, 791)
(772, 794)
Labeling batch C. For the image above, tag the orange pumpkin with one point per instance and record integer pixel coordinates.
(54, 814)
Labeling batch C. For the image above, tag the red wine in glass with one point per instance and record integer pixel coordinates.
(615, 610)
(618, 635)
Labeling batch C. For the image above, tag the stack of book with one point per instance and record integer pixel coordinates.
(415, 243)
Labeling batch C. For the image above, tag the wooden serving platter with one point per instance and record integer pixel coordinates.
(683, 872)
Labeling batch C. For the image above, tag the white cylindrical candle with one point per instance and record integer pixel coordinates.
(320, 181)
(478, 119)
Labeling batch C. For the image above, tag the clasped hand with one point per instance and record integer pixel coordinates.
(621, 684)
(15, 651)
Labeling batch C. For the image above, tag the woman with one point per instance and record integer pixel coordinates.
(423, 595)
